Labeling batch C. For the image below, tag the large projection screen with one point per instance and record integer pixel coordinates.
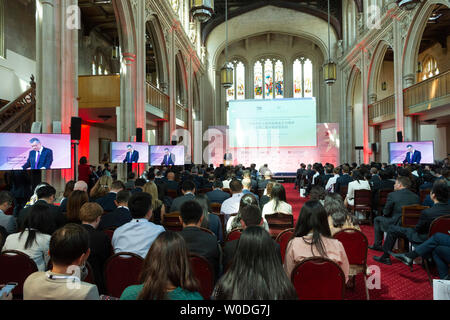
(272, 123)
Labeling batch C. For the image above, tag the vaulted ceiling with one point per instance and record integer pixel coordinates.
(437, 29)
(99, 15)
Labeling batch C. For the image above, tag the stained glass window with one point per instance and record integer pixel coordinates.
(268, 79)
(303, 77)
(240, 81)
(279, 79)
(430, 68)
(258, 71)
(231, 91)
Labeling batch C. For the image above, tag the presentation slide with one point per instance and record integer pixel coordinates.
(129, 152)
(25, 151)
(167, 155)
(411, 152)
(272, 123)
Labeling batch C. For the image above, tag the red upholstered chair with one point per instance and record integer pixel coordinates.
(172, 193)
(204, 272)
(363, 203)
(215, 207)
(172, 221)
(423, 194)
(90, 276)
(355, 244)
(228, 190)
(318, 279)
(343, 191)
(278, 222)
(411, 214)
(122, 270)
(110, 234)
(234, 235)
(382, 199)
(208, 231)
(222, 220)
(204, 190)
(16, 266)
(283, 239)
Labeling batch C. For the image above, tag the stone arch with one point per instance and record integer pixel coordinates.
(180, 70)
(153, 27)
(376, 65)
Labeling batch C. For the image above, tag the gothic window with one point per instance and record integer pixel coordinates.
(258, 71)
(237, 91)
(430, 68)
(303, 77)
(269, 79)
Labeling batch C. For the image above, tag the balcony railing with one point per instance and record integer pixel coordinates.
(157, 98)
(383, 110)
(181, 113)
(427, 94)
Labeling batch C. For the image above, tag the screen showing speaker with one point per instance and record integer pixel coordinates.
(419, 152)
(26, 151)
(129, 152)
(167, 155)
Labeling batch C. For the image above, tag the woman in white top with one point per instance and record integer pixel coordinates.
(278, 203)
(359, 183)
(234, 222)
(35, 239)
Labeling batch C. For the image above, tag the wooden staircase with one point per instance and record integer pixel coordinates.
(19, 114)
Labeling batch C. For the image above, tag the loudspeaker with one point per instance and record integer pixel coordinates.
(174, 142)
(375, 147)
(75, 128)
(399, 136)
(359, 148)
(138, 134)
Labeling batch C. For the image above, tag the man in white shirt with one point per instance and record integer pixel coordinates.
(137, 235)
(332, 181)
(231, 205)
(8, 222)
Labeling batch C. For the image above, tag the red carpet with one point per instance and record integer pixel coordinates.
(396, 281)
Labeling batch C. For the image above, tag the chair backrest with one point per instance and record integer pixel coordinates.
(204, 190)
(278, 222)
(16, 266)
(122, 270)
(423, 194)
(318, 279)
(355, 244)
(90, 276)
(363, 198)
(109, 233)
(411, 214)
(172, 221)
(208, 231)
(260, 193)
(441, 224)
(215, 207)
(283, 239)
(228, 190)
(204, 272)
(343, 191)
(234, 235)
(382, 197)
(171, 193)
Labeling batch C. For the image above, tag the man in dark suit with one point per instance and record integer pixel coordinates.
(188, 190)
(198, 241)
(132, 155)
(343, 180)
(169, 158)
(39, 157)
(99, 242)
(298, 179)
(171, 183)
(139, 184)
(120, 215)
(419, 234)
(45, 195)
(250, 216)
(267, 177)
(412, 156)
(217, 195)
(107, 202)
(392, 212)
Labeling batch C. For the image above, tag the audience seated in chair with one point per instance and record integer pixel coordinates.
(81, 186)
(35, 238)
(250, 216)
(339, 217)
(166, 273)
(235, 221)
(69, 251)
(99, 242)
(107, 201)
(210, 221)
(188, 190)
(247, 186)
(76, 200)
(312, 238)
(419, 234)
(343, 180)
(67, 191)
(101, 187)
(158, 207)
(392, 212)
(231, 205)
(217, 195)
(360, 182)
(256, 272)
(198, 241)
(120, 216)
(7, 222)
(139, 185)
(137, 235)
(277, 203)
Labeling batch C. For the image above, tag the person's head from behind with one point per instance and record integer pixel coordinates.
(256, 272)
(317, 193)
(168, 249)
(69, 246)
(251, 216)
(117, 186)
(38, 220)
(131, 176)
(313, 218)
(91, 213)
(236, 186)
(402, 182)
(278, 193)
(188, 186)
(247, 183)
(74, 204)
(218, 185)
(247, 200)
(81, 186)
(439, 192)
(122, 198)
(6, 200)
(46, 193)
(204, 202)
(140, 205)
(191, 214)
(268, 175)
(83, 160)
(70, 185)
(345, 169)
(335, 208)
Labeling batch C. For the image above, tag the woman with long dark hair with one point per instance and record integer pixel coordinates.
(210, 221)
(34, 240)
(76, 200)
(338, 215)
(166, 273)
(312, 238)
(360, 182)
(277, 201)
(256, 272)
(67, 191)
(235, 222)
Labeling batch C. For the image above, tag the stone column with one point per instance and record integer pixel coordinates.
(398, 80)
(372, 129)
(364, 75)
(57, 72)
(172, 82)
(190, 104)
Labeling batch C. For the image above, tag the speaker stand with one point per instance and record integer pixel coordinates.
(75, 144)
(359, 156)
